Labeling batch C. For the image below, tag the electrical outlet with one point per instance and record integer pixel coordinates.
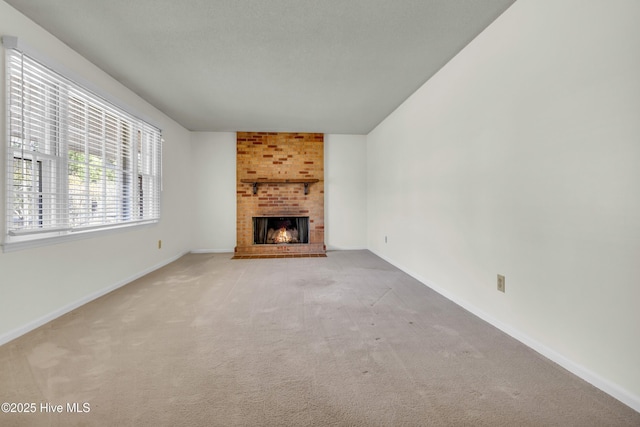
(501, 283)
(159, 244)
(385, 239)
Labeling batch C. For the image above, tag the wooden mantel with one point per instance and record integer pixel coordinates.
(256, 181)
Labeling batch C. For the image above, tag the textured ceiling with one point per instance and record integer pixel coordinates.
(333, 66)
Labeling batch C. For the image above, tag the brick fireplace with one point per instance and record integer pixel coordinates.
(279, 192)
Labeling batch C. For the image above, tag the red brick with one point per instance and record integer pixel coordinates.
(304, 157)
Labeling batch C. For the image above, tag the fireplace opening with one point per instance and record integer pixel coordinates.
(280, 230)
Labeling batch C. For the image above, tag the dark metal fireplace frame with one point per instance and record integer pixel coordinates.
(263, 224)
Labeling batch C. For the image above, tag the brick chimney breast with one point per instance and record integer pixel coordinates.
(279, 175)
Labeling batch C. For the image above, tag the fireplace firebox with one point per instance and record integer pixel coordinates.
(279, 230)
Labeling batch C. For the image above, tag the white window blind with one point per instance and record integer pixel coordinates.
(75, 162)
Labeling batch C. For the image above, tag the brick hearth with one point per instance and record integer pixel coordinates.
(288, 160)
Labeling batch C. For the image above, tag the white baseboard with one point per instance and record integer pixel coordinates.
(211, 251)
(30, 326)
(338, 248)
(612, 389)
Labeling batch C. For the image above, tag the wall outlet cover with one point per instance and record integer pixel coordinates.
(501, 283)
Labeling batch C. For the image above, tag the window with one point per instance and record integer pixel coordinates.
(75, 162)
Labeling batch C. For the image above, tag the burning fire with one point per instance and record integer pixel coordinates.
(282, 236)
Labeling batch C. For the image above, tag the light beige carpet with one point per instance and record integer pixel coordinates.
(346, 340)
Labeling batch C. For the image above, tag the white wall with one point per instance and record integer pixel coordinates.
(39, 284)
(522, 157)
(214, 184)
(345, 190)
